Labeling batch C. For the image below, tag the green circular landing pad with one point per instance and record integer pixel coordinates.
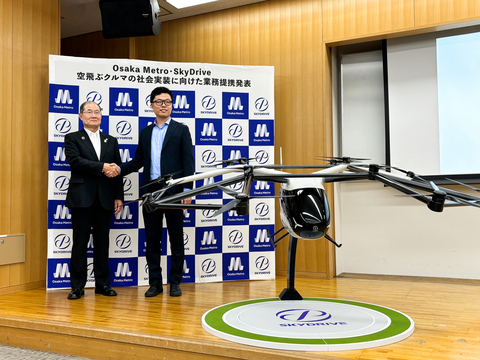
(311, 324)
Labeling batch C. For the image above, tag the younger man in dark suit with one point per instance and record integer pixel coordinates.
(164, 147)
(91, 198)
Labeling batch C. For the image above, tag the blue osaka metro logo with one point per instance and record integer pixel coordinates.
(123, 101)
(63, 99)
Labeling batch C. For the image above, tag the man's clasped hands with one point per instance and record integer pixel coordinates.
(111, 170)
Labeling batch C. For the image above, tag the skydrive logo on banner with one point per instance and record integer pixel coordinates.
(229, 111)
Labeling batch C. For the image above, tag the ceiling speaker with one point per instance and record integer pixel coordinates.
(129, 18)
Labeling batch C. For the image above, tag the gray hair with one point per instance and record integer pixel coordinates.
(82, 107)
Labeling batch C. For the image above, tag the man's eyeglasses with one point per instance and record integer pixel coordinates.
(90, 112)
(162, 102)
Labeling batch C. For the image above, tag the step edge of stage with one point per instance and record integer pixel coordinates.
(48, 332)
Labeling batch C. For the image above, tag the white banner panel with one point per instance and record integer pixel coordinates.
(230, 113)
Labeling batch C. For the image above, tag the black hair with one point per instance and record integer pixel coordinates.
(160, 90)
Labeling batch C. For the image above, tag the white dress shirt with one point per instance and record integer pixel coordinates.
(95, 139)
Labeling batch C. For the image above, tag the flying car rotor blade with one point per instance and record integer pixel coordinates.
(466, 185)
(385, 166)
(410, 174)
(271, 197)
(242, 161)
(156, 181)
(336, 157)
(135, 201)
(228, 206)
(292, 166)
(411, 195)
(228, 191)
(161, 178)
(463, 202)
(340, 159)
(434, 186)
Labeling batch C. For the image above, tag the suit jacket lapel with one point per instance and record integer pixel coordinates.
(148, 142)
(170, 129)
(88, 143)
(103, 144)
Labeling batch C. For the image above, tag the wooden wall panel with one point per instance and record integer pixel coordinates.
(353, 19)
(35, 33)
(209, 38)
(156, 49)
(439, 12)
(94, 45)
(6, 43)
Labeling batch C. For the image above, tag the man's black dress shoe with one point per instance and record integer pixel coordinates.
(75, 294)
(154, 290)
(105, 291)
(175, 290)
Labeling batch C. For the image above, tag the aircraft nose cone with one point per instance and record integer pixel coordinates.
(312, 210)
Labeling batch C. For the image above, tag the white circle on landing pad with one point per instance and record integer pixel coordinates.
(312, 324)
(306, 320)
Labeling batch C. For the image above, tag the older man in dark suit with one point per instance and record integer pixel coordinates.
(91, 198)
(164, 147)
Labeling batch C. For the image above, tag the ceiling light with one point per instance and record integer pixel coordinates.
(180, 4)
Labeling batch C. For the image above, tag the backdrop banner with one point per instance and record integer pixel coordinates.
(230, 113)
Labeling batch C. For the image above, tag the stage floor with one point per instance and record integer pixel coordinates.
(130, 326)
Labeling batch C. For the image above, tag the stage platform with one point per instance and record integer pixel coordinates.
(130, 326)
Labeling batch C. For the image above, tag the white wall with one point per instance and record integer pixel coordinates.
(389, 235)
(417, 140)
(362, 110)
(412, 86)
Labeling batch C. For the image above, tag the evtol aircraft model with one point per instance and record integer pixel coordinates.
(304, 207)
